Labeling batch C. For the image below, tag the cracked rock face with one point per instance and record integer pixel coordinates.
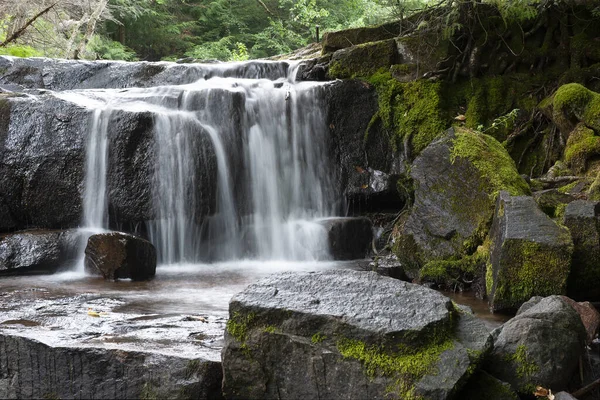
(329, 327)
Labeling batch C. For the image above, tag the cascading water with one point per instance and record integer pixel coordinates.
(251, 128)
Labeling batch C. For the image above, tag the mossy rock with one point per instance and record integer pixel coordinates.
(352, 335)
(583, 220)
(412, 111)
(530, 254)
(571, 104)
(337, 40)
(363, 60)
(457, 179)
(582, 145)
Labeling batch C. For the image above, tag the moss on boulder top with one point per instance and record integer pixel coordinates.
(457, 179)
(363, 60)
(571, 104)
(337, 40)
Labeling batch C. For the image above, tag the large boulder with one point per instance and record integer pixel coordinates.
(456, 180)
(118, 255)
(37, 251)
(363, 60)
(583, 220)
(349, 334)
(35, 370)
(349, 238)
(540, 346)
(530, 254)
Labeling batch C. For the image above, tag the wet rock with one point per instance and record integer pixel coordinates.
(349, 238)
(356, 155)
(53, 74)
(589, 317)
(34, 370)
(344, 332)
(388, 265)
(41, 163)
(530, 254)
(484, 386)
(563, 396)
(373, 190)
(37, 251)
(363, 60)
(456, 179)
(118, 255)
(541, 346)
(583, 220)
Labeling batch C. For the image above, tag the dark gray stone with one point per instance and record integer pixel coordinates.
(453, 198)
(34, 370)
(37, 251)
(541, 346)
(563, 396)
(118, 255)
(484, 386)
(530, 254)
(582, 219)
(349, 238)
(314, 325)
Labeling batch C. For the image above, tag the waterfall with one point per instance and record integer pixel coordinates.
(241, 169)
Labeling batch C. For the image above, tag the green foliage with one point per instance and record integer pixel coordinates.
(212, 51)
(20, 51)
(103, 48)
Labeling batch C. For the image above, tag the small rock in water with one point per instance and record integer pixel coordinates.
(118, 255)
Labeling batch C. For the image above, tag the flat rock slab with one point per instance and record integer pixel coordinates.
(58, 345)
(364, 306)
(349, 334)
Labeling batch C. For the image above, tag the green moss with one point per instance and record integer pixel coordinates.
(574, 102)
(525, 368)
(270, 329)
(566, 189)
(238, 326)
(317, 338)
(407, 368)
(363, 60)
(582, 145)
(413, 111)
(148, 392)
(453, 273)
(491, 160)
(533, 269)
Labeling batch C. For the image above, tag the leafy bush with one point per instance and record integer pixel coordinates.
(100, 47)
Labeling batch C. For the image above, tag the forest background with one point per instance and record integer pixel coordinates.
(152, 30)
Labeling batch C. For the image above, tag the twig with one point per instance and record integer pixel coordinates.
(18, 33)
(586, 389)
(266, 8)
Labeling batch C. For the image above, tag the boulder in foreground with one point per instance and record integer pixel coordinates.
(540, 346)
(117, 255)
(530, 254)
(348, 334)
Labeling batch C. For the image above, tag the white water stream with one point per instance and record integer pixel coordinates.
(266, 137)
